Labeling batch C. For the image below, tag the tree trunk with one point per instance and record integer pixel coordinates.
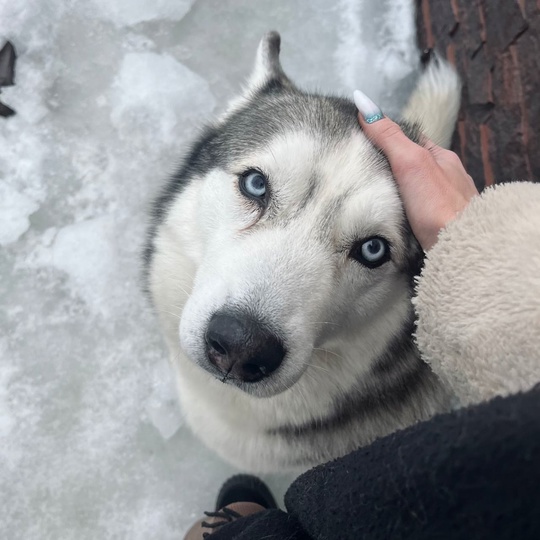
(495, 46)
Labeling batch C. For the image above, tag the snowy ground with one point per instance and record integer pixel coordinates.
(108, 94)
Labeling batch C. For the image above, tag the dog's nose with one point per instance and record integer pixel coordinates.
(242, 347)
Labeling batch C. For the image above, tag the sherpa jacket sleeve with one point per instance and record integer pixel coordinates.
(478, 297)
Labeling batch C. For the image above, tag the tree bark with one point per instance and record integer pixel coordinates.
(495, 46)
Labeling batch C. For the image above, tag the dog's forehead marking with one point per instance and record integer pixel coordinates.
(313, 184)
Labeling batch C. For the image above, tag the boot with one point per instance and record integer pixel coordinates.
(240, 496)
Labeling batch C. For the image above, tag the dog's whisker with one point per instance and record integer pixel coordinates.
(329, 382)
(170, 313)
(318, 367)
(187, 293)
(327, 351)
(225, 377)
(165, 281)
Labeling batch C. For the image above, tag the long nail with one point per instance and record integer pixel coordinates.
(367, 108)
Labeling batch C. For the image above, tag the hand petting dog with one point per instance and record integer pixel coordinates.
(432, 181)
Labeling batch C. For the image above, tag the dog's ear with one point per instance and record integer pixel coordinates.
(267, 66)
(266, 75)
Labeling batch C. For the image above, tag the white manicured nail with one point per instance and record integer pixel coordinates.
(367, 108)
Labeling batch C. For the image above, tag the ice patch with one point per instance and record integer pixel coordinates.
(352, 51)
(87, 252)
(15, 209)
(153, 92)
(130, 12)
(162, 407)
(165, 416)
(7, 419)
(376, 48)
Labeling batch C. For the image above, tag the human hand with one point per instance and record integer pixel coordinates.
(432, 182)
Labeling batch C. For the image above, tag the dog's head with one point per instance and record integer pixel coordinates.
(303, 239)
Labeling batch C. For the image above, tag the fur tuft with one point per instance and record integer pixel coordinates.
(434, 104)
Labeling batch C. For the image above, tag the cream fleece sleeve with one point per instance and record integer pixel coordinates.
(478, 297)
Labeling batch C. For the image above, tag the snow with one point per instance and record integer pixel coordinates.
(378, 49)
(108, 93)
(130, 12)
(137, 105)
(15, 207)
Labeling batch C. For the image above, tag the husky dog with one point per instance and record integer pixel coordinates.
(281, 265)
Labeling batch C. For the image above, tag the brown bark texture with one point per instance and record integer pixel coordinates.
(495, 46)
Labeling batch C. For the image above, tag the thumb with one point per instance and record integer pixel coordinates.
(383, 132)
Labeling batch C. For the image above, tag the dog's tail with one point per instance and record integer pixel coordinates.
(434, 104)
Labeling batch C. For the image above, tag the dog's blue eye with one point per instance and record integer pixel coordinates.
(371, 252)
(253, 184)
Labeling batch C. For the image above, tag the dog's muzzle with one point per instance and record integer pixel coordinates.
(242, 348)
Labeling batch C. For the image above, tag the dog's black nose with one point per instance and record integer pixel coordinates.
(242, 347)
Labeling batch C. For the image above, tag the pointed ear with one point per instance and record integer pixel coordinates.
(267, 71)
(267, 66)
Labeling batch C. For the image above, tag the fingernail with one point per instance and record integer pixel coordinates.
(367, 108)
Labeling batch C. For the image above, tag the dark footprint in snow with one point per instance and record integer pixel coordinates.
(7, 73)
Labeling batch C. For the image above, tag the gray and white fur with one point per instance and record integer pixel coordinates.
(312, 354)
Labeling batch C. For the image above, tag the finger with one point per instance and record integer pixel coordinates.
(427, 143)
(433, 148)
(385, 133)
(438, 152)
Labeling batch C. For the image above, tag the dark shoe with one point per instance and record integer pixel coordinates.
(240, 496)
(245, 488)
